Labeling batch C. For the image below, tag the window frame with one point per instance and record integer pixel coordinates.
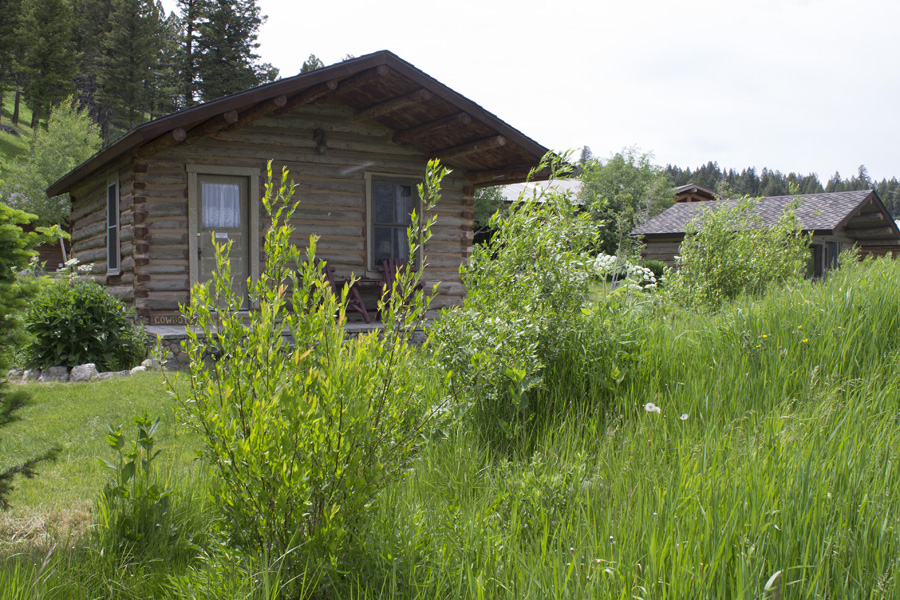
(393, 179)
(113, 248)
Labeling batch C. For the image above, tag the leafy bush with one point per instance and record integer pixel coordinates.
(77, 322)
(728, 252)
(657, 267)
(133, 503)
(303, 432)
(524, 328)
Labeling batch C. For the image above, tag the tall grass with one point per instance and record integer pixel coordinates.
(770, 471)
(786, 461)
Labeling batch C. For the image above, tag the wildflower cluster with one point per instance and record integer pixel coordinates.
(633, 277)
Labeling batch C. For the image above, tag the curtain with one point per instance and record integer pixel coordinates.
(221, 205)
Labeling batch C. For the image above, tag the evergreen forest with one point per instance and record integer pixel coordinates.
(730, 183)
(126, 61)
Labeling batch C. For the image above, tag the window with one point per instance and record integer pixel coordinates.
(391, 203)
(113, 244)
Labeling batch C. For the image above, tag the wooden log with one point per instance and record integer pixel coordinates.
(458, 120)
(462, 150)
(307, 96)
(872, 232)
(168, 285)
(211, 126)
(499, 176)
(179, 134)
(351, 84)
(392, 105)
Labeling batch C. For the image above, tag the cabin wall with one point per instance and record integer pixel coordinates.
(663, 250)
(88, 218)
(331, 187)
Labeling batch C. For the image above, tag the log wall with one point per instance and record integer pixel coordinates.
(88, 219)
(331, 187)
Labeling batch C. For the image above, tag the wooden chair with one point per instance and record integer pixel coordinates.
(354, 300)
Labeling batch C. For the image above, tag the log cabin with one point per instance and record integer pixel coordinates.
(355, 137)
(835, 220)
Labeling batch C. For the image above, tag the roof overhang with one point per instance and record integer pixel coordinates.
(381, 86)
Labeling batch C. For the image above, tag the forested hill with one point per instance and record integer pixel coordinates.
(749, 182)
(126, 61)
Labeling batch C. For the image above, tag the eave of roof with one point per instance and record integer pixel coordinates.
(291, 86)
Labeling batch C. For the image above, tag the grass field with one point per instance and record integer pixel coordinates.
(772, 467)
(11, 145)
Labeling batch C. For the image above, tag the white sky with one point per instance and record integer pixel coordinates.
(793, 85)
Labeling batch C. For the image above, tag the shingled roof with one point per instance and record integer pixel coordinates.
(818, 213)
(381, 86)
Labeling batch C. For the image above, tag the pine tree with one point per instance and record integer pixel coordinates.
(91, 27)
(311, 64)
(226, 62)
(49, 59)
(192, 16)
(131, 53)
(10, 48)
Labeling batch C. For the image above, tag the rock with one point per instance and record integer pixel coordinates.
(14, 375)
(84, 372)
(139, 369)
(183, 358)
(54, 374)
(111, 374)
(31, 375)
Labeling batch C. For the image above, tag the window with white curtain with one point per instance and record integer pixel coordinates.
(221, 205)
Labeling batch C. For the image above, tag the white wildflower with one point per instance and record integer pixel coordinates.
(652, 408)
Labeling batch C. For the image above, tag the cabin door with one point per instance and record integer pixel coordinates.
(223, 216)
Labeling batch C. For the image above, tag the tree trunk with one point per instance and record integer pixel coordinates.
(15, 117)
(35, 114)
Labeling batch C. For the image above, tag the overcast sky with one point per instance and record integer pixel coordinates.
(793, 85)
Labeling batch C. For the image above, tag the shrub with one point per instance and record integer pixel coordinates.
(728, 252)
(657, 267)
(303, 432)
(524, 318)
(77, 322)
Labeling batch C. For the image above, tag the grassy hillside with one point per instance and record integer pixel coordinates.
(12, 145)
(773, 463)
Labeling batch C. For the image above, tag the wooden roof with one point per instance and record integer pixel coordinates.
(693, 193)
(859, 214)
(379, 86)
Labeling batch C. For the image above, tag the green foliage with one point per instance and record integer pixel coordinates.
(520, 327)
(130, 58)
(48, 60)
(658, 268)
(303, 432)
(133, 504)
(15, 252)
(727, 252)
(623, 193)
(311, 64)
(78, 322)
(70, 138)
(225, 59)
(488, 200)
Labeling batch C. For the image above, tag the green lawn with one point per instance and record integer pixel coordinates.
(75, 418)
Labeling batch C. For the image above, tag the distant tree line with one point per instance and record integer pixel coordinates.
(126, 61)
(748, 182)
